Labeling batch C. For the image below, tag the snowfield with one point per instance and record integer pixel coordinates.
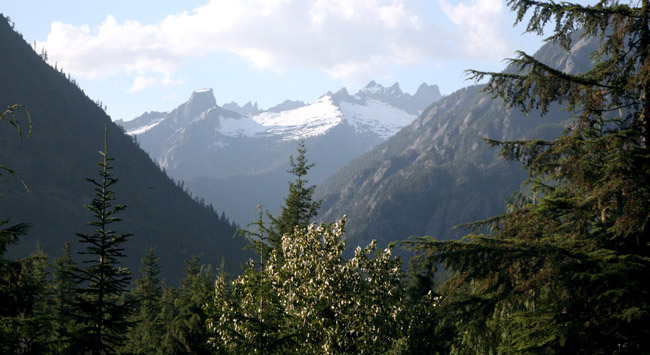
(367, 116)
(318, 118)
(376, 117)
(140, 130)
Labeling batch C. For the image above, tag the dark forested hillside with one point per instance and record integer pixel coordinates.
(438, 172)
(62, 151)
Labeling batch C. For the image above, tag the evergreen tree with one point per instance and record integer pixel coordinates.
(146, 335)
(262, 323)
(98, 305)
(299, 207)
(566, 271)
(183, 312)
(62, 289)
(10, 274)
(24, 322)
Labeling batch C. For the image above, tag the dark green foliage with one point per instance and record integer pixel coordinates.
(299, 208)
(298, 211)
(24, 321)
(260, 323)
(183, 314)
(98, 306)
(62, 289)
(145, 336)
(565, 269)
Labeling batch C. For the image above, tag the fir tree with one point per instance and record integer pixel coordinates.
(299, 208)
(263, 324)
(566, 271)
(62, 289)
(10, 272)
(98, 306)
(25, 324)
(183, 312)
(146, 335)
(298, 211)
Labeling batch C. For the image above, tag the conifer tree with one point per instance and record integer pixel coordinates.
(146, 335)
(299, 207)
(62, 289)
(24, 321)
(566, 271)
(265, 329)
(298, 211)
(10, 274)
(98, 306)
(183, 312)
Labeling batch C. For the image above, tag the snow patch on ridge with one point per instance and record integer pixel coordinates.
(303, 122)
(368, 116)
(376, 116)
(145, 128)
(241, 126)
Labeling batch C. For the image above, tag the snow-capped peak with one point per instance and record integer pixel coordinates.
(303, 122)
(375, 110)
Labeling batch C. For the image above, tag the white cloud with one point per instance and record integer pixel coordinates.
(480, 27)
(349, 39)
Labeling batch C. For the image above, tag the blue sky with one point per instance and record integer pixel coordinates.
(138, 56)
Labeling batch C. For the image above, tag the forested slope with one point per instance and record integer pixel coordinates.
(68, 130)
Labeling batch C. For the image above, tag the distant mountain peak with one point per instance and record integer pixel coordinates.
(372, 88)
(342, 91)
(249, 108)
(426, 95)
(200, 101)
(286, 105)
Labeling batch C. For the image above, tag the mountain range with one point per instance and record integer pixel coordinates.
(237, 156)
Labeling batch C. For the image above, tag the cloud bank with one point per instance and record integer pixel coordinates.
(352, 40)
